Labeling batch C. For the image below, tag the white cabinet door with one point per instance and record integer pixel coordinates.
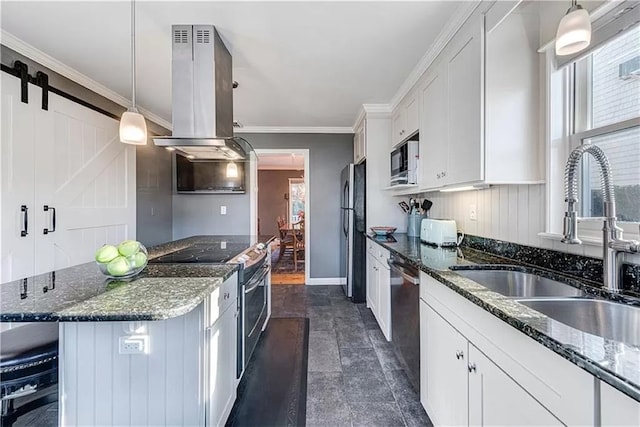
(412, 118)
(372, 283)
(617, 409)
(397, 126)
(17, 199)
(446, 376)
(222, 368)
(384, 301)
(496, 399)
(465, 95)
(433, 130)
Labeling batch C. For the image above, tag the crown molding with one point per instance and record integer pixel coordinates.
(9, 40)
(294, 129)
(452, 26)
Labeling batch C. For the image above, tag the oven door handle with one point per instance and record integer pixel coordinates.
(255, 282)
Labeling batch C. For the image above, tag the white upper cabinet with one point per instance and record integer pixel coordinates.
(405, 119)
(360, 143)
(464, 61)
(512, 80)
(434, 149)
(479, 120)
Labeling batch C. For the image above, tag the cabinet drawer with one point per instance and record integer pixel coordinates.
(222, 298)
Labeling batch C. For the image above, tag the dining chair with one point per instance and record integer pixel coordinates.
(286, 239)
(299, 243)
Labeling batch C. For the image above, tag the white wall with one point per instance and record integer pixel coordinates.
(515, 213)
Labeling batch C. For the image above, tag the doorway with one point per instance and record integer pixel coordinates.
(280, 207)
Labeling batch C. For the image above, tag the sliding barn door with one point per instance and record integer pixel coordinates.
(68, 158)
(88, 176)
(17, 174)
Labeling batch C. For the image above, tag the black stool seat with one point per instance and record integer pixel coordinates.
(28, 362)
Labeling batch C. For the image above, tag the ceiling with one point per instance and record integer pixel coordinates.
(281, 161)
(299, 64)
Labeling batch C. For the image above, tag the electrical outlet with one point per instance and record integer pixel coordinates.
(134, 344)
(223, 245)
(473, 214)
(223, 210)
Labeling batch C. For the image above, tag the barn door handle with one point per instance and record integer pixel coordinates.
(25, 226)
(48, 208)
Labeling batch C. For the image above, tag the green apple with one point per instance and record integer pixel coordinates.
(106, 254)
(120, 266)
(138, 259)
(128, 247)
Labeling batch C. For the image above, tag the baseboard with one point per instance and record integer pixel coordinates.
(337, 281)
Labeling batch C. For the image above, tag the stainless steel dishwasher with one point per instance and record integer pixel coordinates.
(405, 317)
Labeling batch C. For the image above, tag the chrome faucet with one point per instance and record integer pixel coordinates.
(613, 245)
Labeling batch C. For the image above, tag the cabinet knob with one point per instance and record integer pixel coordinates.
(471, 367)
(459, 355)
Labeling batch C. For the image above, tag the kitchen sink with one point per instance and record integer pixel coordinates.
(520, 284)
(616, 321)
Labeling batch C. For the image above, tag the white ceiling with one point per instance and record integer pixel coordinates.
(299, 64)
(281, 161)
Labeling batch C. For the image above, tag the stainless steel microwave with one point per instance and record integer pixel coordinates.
(404, 164)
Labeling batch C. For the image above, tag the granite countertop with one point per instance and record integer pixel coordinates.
(614, 362)
(82, 293)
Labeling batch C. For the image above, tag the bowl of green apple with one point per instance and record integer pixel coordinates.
(122, 261)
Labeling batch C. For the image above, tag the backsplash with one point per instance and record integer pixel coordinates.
(579, 266)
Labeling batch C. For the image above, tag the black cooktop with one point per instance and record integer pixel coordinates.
(203, 253)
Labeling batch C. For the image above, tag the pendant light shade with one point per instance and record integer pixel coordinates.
(574, 31)
(232, 170)
(133, 128)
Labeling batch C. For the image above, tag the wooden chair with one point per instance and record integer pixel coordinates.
(298, 243)
(286, 239)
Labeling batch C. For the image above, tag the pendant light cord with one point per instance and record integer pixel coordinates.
(133, 53)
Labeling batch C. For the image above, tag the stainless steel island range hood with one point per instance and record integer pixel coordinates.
(202, 97)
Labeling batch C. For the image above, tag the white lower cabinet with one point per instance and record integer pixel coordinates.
(379, 287)
(616, 408)
(495, 399)
(222, 367)
(478, 370)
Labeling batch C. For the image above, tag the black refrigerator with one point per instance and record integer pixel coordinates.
(352, 238)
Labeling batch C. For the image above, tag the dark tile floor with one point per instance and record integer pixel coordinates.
(354, 377)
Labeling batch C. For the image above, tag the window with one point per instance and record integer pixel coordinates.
(296, 199)
(606, 86)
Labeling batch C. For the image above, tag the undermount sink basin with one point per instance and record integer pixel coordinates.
(615, 321)
(520, 284)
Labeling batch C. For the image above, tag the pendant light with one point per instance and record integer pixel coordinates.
(133, 128)
(574, 31)
(232, 170)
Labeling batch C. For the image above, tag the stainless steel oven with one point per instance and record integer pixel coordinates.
(254, 300)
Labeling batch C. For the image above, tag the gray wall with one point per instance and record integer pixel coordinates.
(154, 210)
(328, 155)
(271, 201)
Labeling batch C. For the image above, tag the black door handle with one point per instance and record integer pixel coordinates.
(25, 226)
(53, 219)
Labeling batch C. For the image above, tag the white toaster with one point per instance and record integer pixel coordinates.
(439, 232)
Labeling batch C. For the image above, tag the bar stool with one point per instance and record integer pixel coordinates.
(28, 364)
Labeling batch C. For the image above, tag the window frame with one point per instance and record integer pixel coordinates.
(569, 130)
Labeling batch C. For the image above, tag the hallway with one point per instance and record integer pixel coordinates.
(354, 377)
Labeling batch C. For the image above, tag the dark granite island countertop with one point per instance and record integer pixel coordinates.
(614, 362)
(82, 293)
